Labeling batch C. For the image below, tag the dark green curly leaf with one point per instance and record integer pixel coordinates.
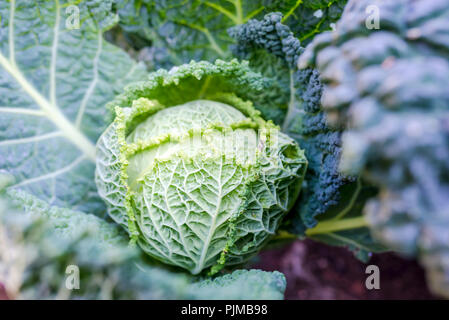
(389, 88)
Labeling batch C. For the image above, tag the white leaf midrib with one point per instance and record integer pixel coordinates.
(12, 9)
(179, 227)
(213, 226)
(52, 112)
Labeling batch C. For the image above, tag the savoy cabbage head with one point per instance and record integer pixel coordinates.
(193, 172)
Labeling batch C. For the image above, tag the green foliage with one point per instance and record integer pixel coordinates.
(192, 171)
(329, 198)
(388, 88)
(36, 248)
(176, 32)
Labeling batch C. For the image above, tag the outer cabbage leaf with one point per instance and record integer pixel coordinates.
(36, 247)
(180, 31)
(272, 50)
(329, 198)
(54, 83)
(388, 88)
(202, 207)
(175, 32)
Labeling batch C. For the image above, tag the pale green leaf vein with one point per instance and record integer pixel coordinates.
(53, 174)
(212, 228)
(171, 214)
(22, 111)
(31, 139)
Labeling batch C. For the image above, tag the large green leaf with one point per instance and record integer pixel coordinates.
(182, 30)
(54, 82)
(388, 87)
